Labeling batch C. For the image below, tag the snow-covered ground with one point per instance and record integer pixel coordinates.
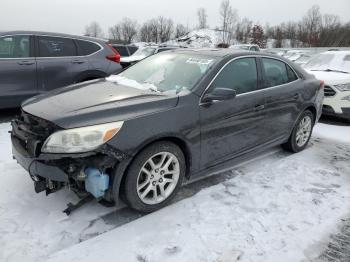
(280, 207)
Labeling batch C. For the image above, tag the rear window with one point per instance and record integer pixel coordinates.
(132, 49)
(56, 47)
(87, 48)
(122, 50)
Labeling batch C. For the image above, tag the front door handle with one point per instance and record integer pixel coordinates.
(259, 107)
(296, 96)
(26, 62)
(78, 62)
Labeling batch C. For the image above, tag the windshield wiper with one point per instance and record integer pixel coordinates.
(331, 70)
(151, 87)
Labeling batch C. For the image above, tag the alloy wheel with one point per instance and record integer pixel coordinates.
(158, 178)
(304, 131)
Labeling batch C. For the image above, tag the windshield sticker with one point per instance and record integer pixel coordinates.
(199, 61)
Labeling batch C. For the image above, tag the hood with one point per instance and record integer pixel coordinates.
(331, 78)
(96, 102)
(132, 58)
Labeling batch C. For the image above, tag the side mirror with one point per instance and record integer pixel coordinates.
(219, 93)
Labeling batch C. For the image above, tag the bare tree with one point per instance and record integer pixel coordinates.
(312, 22)
(166, 27)
(180, 30)
(229, 19)
(330, 21)
(145, 33)
(243, 29)
(202, 18)
(154, 30)
(157, 30)
(330, 31)
(115, 33)
(128, 29)
(93, 30)
(124, 31)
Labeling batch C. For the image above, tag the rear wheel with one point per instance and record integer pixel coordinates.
(154, 177)
(301, 134)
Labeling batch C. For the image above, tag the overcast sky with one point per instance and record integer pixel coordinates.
(71, 16)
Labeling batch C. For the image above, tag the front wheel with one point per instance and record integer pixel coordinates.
(154, 177)
(301, 134)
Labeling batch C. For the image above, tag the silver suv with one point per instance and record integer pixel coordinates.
(32, 63)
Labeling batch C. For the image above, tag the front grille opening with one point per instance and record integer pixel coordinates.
(328, 91)
(31, 132)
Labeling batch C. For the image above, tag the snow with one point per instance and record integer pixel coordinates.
(280, 207)
(33, 225)
(199, 38)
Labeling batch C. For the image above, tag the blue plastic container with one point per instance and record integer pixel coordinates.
(96, 182)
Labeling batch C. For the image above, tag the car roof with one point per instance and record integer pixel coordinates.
(221, 52)
(53, 34)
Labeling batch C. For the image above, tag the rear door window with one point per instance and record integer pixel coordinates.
(16, 46)
(87, 48)
(276, 72)
(56, 46)
(240, 75)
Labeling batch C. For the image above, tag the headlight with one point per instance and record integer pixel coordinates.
(343, 87)
(82, 139)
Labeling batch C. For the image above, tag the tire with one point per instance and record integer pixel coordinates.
(294, 143)
(168, 165)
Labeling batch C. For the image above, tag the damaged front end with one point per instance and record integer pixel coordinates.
(87, 174)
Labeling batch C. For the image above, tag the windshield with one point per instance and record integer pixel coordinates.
(147, 51)
(320, 61)
(304, 58)
(329, 62)
(165, 72)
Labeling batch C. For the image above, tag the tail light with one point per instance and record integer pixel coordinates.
(115, 57)
(321, 84)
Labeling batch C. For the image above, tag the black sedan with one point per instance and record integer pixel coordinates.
(175, 116)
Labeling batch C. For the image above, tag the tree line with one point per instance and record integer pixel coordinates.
(313, 30)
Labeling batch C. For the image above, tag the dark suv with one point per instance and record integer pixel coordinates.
(175, 116)
(125, 50)
(36, 62)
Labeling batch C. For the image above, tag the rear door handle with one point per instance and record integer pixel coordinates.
(26, 63)
(259, 107)
(78, 62)
(296, 96)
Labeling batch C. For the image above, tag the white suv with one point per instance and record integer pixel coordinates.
(334, 68)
